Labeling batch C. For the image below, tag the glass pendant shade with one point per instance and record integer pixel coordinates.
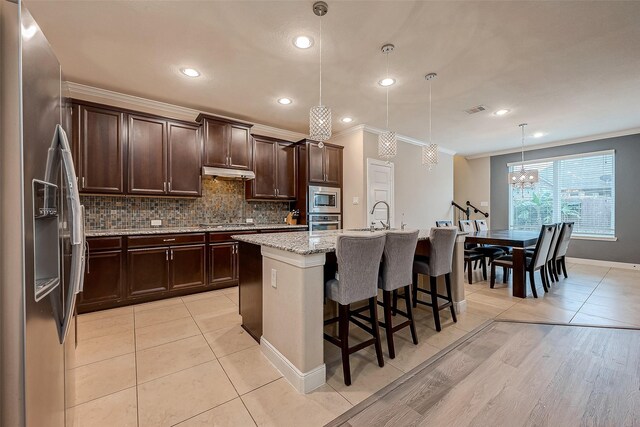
(320, 123)
(430, 155)
(387, 145)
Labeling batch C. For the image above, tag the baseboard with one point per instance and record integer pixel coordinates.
(304, 382)
(600, 263)
(460, 306)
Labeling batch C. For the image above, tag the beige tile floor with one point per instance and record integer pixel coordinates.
(186, 361)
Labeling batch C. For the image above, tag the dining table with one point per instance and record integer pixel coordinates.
(516, 239)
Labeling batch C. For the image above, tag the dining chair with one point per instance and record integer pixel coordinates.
(481, 225)
(560, 253)
(396, 273)
(471, 254)
(438, 263)
(537, 260)
(356, 280)
(444, 223)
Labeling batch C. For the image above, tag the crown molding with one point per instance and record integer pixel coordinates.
(407, 139)
(353, 129)
(559, 143)
(81, 91)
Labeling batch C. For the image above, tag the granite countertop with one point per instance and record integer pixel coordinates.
(174, 230)
(306, 243)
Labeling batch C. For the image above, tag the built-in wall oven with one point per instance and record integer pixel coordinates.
(324, 222)
(324, 200)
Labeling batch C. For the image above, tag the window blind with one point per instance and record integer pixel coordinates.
(577, 188)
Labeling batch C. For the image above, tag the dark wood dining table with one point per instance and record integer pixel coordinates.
(518, 240)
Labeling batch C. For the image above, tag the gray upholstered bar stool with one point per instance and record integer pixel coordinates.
(356, 280)
(438, 263)
(397, 267)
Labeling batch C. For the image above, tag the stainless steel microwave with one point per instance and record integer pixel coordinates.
(324, 200)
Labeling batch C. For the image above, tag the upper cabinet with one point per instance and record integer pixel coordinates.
(98, 145)
(275, 167)
(119, 151)
(227, 144)
(324, 164)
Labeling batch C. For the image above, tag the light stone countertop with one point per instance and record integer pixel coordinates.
(177, 230)
(306, 243)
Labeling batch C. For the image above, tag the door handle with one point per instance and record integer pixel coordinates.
(166, 254)
(171, 254)
(164, 186)
(169, 240)
(169, 186)
(83, 182)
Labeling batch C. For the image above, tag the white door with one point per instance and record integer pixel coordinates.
(379, 187)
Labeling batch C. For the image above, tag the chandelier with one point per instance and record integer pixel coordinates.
(430, 151)
(387, 141)
(523, 178)
(320, 116)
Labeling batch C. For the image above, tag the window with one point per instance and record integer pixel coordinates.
(578, 188)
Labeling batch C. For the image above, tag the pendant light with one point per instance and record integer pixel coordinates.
(523, 178)
(430, 151)
(387, 141)
(320, 116)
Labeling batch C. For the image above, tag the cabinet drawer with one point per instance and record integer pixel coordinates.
(165, 240)
(104, 243)
(226, 236)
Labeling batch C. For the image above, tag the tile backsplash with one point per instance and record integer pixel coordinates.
(222, 201)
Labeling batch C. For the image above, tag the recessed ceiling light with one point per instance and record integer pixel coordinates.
(347, 120)
(387, 82)
(502, 112)
(303, 42)
(191, 72)
(284, 101)
(539, 134)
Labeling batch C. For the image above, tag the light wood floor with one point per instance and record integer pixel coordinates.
(517, 374)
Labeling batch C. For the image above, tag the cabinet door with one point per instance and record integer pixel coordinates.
(216, 147)
(222, 263)
(264, 185)
(147, 155)
(101, 151)
(333, 165)
(187, 266)
(103, 278)
(286, 171)
(316, 163)
(240, 148)
(184, 162)
(148, 271)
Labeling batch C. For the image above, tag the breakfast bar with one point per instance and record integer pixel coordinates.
(282, 307)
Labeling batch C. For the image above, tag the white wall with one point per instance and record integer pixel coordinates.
(423, 196)
(472, 182)
(354, 174)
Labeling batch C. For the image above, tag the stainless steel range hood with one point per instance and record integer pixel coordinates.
(227, 173)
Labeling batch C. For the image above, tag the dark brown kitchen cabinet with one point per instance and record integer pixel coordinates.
(104, 274)
(184, 160)
(227, 144)
(275, 167)
(324, 164)
(148, 271)
(223, 263)
(147, 155)
(99, 149)
(188, 266)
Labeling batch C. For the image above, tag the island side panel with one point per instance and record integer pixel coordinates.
(250, 288)
(293, 316)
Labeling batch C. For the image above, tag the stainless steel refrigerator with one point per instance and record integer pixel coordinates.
(42, 239)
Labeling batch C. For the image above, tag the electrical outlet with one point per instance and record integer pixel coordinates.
(156, 222)
(484, 204)
(274, 278)
(356, 200)
(249, 220)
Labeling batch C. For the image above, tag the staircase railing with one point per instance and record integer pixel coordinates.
(476, 210)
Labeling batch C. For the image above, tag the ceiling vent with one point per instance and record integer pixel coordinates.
(475, 109)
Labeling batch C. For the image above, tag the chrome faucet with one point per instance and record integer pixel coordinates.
(387, 226)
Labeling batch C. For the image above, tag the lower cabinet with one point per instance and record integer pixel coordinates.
(148, 271)
(223, 263)
(104, 279)
(187, 267)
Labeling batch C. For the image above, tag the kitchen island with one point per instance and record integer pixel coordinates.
(282, 279)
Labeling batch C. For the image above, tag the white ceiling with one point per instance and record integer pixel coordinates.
(571, 69)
